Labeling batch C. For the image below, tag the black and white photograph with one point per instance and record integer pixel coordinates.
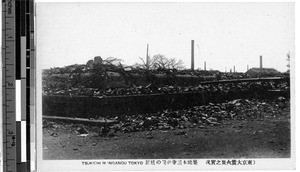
(171, 84)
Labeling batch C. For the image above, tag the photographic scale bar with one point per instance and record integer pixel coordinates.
(18, 72)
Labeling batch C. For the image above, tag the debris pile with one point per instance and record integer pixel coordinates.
(109, 77)
(197, 116)
(167, 89)
(211, 114)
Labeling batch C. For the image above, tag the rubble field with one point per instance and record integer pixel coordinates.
(240, 128)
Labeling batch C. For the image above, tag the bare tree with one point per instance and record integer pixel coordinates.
(160, 61)
(174, 64)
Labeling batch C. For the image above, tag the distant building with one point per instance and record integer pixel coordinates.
(264, 71)
(214, 71)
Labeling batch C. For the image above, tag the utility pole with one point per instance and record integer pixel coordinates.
(192, 55)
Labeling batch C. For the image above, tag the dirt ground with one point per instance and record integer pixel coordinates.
(265, 137)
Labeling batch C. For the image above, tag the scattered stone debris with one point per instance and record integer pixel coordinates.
(180, 133)
(149, 137)
(83, 135)
(54, 134)
(81, 129)
(150, 89)
(103, 131)
(212, 120)
(111, 133)
(197, 116)
(211, 114)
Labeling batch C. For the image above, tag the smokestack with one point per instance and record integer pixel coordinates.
(147, 57)
(261, 63)
(205, 66)
(233, 69)
(247, 67)
(192, 55)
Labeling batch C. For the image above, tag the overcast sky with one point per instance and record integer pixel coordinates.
(225, 34)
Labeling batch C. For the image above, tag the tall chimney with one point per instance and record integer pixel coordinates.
(205, 65)
(147, 57)
(192, 55)
(233, 69)
(261, 63)
(247, 67)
